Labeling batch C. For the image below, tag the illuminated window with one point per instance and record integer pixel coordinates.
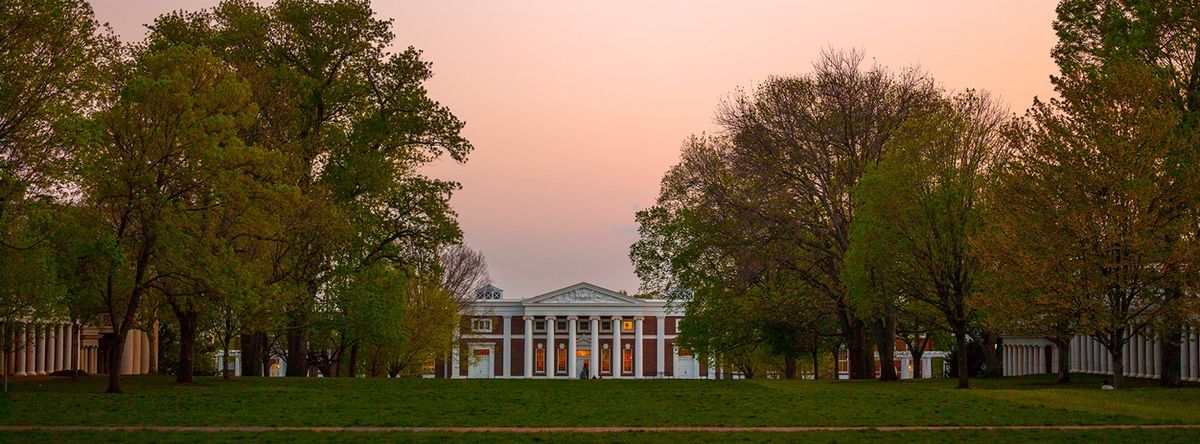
(560, 362)
(684, 352)
(481, 325)
(539, 363)
(627, 361)
(606, 360)
(626, 325)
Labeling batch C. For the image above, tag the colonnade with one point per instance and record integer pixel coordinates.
(1142, 356)
(42, 348)
(1021, 359)
(616, 349)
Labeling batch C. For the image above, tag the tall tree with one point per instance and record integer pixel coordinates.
(806, 141)
(1112, 179)
(52, 54)
(353, 123)
(169, 138)
(918, 211)
(1163, 35)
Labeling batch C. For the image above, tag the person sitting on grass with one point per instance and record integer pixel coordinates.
(1105, 385)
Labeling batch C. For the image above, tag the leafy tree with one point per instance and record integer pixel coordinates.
(52, 54)
(1111, 184)
(918, 211)
(168, 141)
(353, 124)
(1161, 35)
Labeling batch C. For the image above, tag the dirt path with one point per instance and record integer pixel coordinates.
(719, 429)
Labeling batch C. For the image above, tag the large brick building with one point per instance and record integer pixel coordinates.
(569, 333)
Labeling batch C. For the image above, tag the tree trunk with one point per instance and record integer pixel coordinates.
(114, 361)
(991, 356)
(837, 359)
(789, 366)
(251, 365)
(884, 332)
(816, 357)
(352, 368)
(858, 353)
(76, 339)
(1064, 359)
(1171, 357)
(297, 349)
(960, 340)
(917, 353)
(1115, 345)
(184, 371)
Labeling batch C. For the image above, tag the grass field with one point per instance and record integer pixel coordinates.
(505, 403)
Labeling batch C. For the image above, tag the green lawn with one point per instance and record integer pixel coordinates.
(371, 402)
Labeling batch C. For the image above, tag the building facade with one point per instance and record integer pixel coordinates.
(44, 347)
(581, 331)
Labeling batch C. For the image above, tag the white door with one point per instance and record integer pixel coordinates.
(481, 362)
(685, 366)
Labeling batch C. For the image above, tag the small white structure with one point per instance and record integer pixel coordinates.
(234, 366)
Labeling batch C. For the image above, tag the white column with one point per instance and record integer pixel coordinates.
(637, 346)
(595, 356)
(1138, 347)
(1026, 360)
(54, 354)
(1106, 360)
(528, 346)
(40, 363)
(1147, 356)
(22, 344)
(145, 353)
(1192, 351)
(69, 347)
(1186, 350)
(1094, 348)
(550, 349)
(1086, 349)
(618, 352)
(926, 367)
(506, 370)
(1074, 354)
(572, 371)
(660, 343)
(454, 352)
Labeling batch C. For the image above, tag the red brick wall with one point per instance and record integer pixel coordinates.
(650, 326)
(649, 357)
(518, 357)
(518, 326)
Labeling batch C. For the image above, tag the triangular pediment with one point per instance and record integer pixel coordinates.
(583, 293)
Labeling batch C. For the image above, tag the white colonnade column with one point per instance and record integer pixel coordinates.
(637, 346)
(507, 364)
(594, 358)
(550, 350)
(528, 346)
(617, 353)
(22, 344)
(660, 345)
(40, 363)
(572, 371)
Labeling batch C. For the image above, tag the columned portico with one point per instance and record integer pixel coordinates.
(21, 335)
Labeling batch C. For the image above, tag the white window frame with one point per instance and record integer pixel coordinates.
(481, 325)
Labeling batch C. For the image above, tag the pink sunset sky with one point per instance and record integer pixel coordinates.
(577, 108)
